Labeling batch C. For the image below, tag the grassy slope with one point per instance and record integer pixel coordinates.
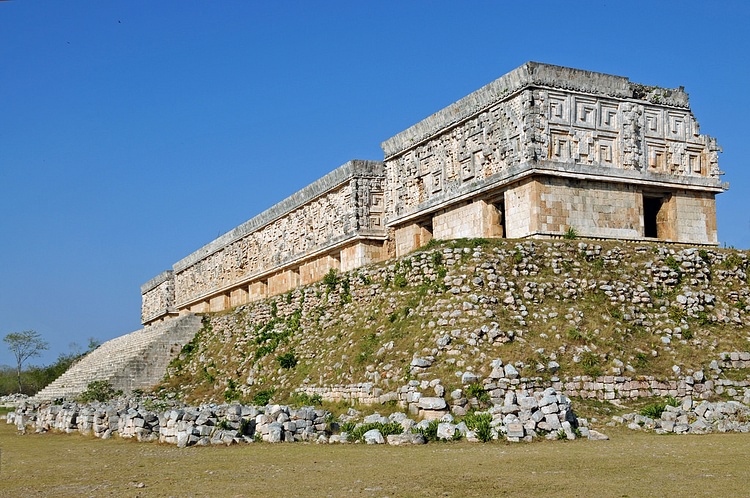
(586, 305)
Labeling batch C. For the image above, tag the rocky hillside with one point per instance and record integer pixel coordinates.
(459, 313)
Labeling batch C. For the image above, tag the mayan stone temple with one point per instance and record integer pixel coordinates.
(537, 152)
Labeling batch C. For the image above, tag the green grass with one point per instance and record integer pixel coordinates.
(630, 464)
(392, 303)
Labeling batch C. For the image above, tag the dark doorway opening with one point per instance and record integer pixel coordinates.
(500, 207)
(651, 208)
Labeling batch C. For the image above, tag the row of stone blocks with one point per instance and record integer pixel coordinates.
(133, 361)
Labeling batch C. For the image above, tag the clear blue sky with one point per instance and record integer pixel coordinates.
(132, 133)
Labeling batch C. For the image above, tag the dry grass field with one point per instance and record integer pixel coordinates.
(629, 464)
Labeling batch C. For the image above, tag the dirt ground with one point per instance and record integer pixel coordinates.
(629, 464)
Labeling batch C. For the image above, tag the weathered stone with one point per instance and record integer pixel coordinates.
(373, 436)
(406, 438)
(432, 403)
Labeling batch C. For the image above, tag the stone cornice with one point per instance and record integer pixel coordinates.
(532, 74)
(334, 179)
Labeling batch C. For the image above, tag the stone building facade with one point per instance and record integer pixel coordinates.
(537, 152)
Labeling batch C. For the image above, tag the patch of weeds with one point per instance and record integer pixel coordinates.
(365, 279)
(304, 399)
(347, 427)
(99, 390)
(702, 318)
(287, 360)
(672, 263)
(570, 234)
(436, 258)
(331, 280)
(480, 423)
(358, 433)
(367, 348)
(654, 410)
(476, 390)
(207, 376)
(231, 393)
(262, 397)
(615, 313)
(732, 261)
(677, 314)
(641, 360)
(429, 432)
(399, 280)
(598, 264)
(346, 293)
(517, 256)
(590, 364)
(574, 334)
(432, 244)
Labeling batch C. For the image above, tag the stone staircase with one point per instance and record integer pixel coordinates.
(133, 361)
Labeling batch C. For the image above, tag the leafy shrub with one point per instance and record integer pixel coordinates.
(262, 397)
(400, 280)
(654, 410)
(429, 432)
(304, 399)
(287, 360)
(231, 393)
(672, 263)
(358, 433)
(590, 364)
(570, 234)
(331, 280)
(348, 427)
(480, 423)
(99, 390)
(476, 390)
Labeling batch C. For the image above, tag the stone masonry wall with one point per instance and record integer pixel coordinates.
(697, 219)
(158, 297)
(606, 126)
(295, 242)
(594, 209)
(604, 139)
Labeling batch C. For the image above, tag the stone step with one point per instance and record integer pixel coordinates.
(133, 361)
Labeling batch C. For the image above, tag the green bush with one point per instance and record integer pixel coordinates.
(429, 432)
(287, 360)
(400, 280)
(99, 390)
(331, 280)
(304, 399)
(262, 397)
(570, 234)
(358, 433)
(480, 423)
(231, 393)
(590, 364)
(654, 410)
(476, 390)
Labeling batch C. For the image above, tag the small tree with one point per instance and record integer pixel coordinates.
(24, 345)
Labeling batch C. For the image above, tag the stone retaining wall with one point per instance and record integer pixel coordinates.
(504, 379)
